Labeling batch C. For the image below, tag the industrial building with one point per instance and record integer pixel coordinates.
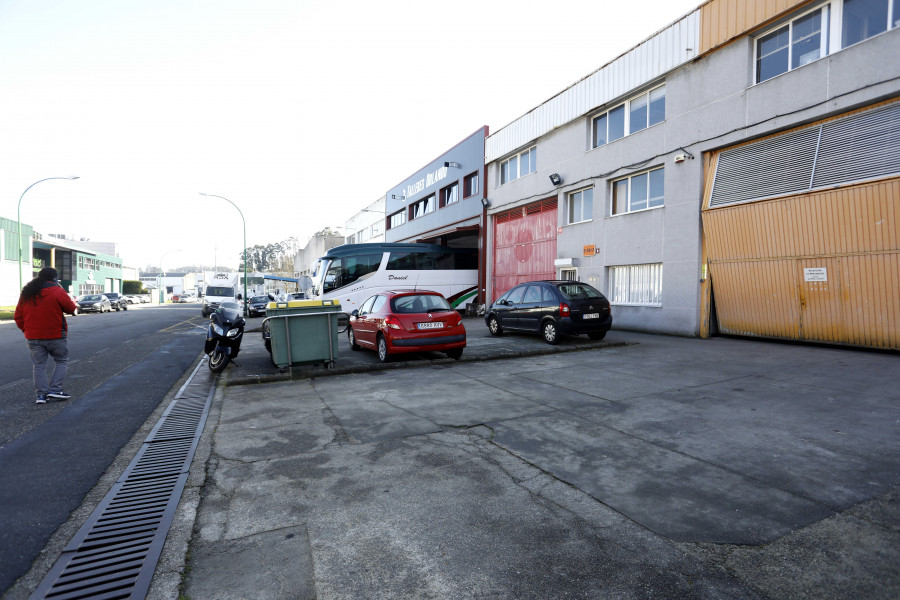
(736, 172)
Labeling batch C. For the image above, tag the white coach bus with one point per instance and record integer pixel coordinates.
(353, 272)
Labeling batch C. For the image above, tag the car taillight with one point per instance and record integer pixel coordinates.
(392, 322)
(564, 309)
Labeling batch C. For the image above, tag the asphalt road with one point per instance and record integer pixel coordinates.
(121, 366)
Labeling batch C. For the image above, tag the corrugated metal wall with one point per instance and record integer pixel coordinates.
(524, 245)
(821, 266)
(724, 20)
(671, 47)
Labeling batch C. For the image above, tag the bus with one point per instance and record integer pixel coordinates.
(354, 272)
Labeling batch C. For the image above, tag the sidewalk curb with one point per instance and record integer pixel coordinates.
(299, 372)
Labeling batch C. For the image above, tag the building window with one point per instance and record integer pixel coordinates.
(397, 219)
(864, 18)
(638, 192)
(519, 165)
(470, 184)
(632, 116)
(793, 45)
(450, 195)
(421, 208)
(580, 206)
(636, 284)
(568, 274)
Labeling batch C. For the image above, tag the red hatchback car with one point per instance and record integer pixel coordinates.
(403, 321)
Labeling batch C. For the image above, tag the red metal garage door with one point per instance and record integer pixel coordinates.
(524, 245)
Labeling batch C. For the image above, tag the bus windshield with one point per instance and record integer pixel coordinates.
(335, 273)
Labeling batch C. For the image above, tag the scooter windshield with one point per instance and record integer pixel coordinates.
(230, 310)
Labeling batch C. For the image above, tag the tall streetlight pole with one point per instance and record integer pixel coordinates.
(19, 218)
(244, 300)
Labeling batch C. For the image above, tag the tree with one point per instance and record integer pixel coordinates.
(130, 286)
(275, 258)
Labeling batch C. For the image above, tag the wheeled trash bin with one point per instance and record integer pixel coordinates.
(302, 332)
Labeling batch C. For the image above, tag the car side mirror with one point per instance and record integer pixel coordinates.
(355, 313)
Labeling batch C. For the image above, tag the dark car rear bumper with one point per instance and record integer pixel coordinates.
(569, 327)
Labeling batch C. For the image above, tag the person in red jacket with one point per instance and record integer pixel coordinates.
(39, 314)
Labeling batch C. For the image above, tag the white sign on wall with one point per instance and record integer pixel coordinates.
(815, 274)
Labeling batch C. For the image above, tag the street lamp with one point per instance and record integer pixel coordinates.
(19, 219)
(244, 301)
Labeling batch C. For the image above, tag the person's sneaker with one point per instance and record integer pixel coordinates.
(42, 399)
(60, 395)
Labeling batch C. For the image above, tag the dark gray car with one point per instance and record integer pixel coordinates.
(93, 303)
(551, 308)
(117, 301)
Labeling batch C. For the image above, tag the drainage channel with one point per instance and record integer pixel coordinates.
(115, 552)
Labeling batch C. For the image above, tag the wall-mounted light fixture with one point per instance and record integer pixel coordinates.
(555, 179)
(455, 165)
(485, 202)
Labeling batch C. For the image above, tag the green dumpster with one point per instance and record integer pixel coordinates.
(302, 332)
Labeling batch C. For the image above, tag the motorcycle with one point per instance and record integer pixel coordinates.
(223, 338)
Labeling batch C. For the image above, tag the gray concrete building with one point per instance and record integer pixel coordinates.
(703, 180)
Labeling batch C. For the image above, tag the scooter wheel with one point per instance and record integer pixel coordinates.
(218, 360)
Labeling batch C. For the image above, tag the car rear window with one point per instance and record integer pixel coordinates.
(578, 291)
(419, 303)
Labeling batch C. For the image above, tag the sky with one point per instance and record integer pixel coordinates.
(299, 112)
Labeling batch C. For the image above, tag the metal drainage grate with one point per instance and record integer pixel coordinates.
(115, 552)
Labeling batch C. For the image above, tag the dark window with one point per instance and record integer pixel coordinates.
(470, 184)
(450, 195)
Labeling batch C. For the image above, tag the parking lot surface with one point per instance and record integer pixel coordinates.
(637, 467)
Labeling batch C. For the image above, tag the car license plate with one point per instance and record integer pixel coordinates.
(434, 325)
(591, 316)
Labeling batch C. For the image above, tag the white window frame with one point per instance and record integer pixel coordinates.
(568, 274)
(826, 33)
(397, 219)
(531, 153)
(422, 207)
(449, 195)
(635, 285)
(832, 32)
(570, 199)
(472, 188)
(628, 202)
(626, 107)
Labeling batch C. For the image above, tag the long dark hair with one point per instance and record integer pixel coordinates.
(32, 290)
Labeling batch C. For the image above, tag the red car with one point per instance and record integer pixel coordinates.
(402, 321)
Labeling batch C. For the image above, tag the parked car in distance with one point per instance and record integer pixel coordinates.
(403, 321)
(117, 301)
(551, 308)
(187, 297)
(94, 303)
(131, 299)
(257, 306)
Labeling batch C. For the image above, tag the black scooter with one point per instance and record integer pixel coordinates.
(223, 339)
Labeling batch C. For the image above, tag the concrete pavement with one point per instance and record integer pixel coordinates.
(642, 466)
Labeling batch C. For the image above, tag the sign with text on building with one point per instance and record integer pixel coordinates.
(815, 274)
(590, 250)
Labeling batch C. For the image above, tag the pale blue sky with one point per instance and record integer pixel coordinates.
(300, 112)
